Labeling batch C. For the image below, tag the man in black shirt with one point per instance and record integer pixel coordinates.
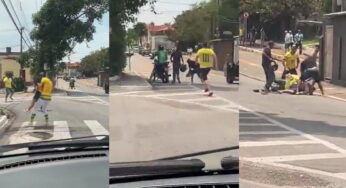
(267, 67)
(176, 58)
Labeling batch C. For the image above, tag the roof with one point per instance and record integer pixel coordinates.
(12, 54)
(158, 28)
(73, 65)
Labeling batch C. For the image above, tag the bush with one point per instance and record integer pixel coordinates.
(18, 84)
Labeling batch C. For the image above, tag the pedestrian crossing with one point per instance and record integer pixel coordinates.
(268, 141)
(84, 98)
(191, 97)
(55, 130)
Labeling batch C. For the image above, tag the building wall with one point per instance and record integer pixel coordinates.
(13, 66)
(339, 50)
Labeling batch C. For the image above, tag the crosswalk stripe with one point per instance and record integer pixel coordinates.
(265, 132)
(287, 158)
(258, 124)
(276, 143)
(96, 128)
(61, 130)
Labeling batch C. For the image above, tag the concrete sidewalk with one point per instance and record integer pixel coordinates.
(331, 90)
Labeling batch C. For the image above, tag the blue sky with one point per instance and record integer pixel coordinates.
(9, 36)
(166, 9)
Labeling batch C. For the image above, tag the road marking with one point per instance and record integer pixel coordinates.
(174, 94)
(275, 143)
(244, 118)
(265, 132)
(295, 131)
(258, 124)
(96, 128)
(341, 175)
(288, 158)
(61, 130)
(200, 99)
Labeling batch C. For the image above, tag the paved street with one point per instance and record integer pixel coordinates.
(161, 120)
(73, 113)
(301, 137)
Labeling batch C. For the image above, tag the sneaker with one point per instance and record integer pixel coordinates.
(264, 92)
(210, 94)
(206, 90)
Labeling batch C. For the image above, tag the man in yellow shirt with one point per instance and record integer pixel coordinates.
(8, 86)
(290, 63)
(45, 88)
(206, 59)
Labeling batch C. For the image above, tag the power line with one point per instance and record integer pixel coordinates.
(14, 22)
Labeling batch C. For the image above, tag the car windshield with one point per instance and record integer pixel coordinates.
(57, 96)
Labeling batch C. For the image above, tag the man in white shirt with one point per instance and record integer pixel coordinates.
(287, 42)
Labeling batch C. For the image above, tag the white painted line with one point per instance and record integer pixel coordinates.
(287, 158)
(276, 143)
(102, 101)
(174, 94)
(265, 132)
(241, 118)
(341, 175)
(200, 104)
(3, 121)
(96, 128)
(337, 98)
(200, 99)
(308, 136)
(258, 124)
(228, 106)
(61, 130)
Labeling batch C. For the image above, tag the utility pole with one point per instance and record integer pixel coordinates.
(21, 40)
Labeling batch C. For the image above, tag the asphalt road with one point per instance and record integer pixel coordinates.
(72, 113)
(295, 134)
(156, 121)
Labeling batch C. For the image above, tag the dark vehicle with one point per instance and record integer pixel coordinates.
(190, 170)
(157, 73)
(56, 163)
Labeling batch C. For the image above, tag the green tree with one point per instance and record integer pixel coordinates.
(61, 24)
(141, 30)
(94, 62)
(199, 24)
(131, 37)
(121, 12)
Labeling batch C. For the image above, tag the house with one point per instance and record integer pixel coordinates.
(156, 35)
(71, 69)
(9, 62)
(333, 66)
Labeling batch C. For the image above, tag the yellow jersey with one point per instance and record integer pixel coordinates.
(292, 80)
(8, 82)
(205, 57)
(46, 88)
(291, 60)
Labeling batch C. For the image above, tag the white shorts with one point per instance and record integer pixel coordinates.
(41, 106)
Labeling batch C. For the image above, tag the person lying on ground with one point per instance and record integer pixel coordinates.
(293, 85)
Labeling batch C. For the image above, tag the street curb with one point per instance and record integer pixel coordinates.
(260, 52)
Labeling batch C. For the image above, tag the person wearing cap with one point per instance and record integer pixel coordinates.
(162, 63)
(206, 58)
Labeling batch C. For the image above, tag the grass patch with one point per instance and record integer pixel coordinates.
(311, 42)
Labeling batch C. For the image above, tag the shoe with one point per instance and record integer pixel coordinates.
(210, 94)
(264, 92)
(206, 90)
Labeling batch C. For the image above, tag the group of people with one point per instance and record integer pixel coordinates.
(252, 35)
(205, 58)
(291, 81)
(294, 40)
